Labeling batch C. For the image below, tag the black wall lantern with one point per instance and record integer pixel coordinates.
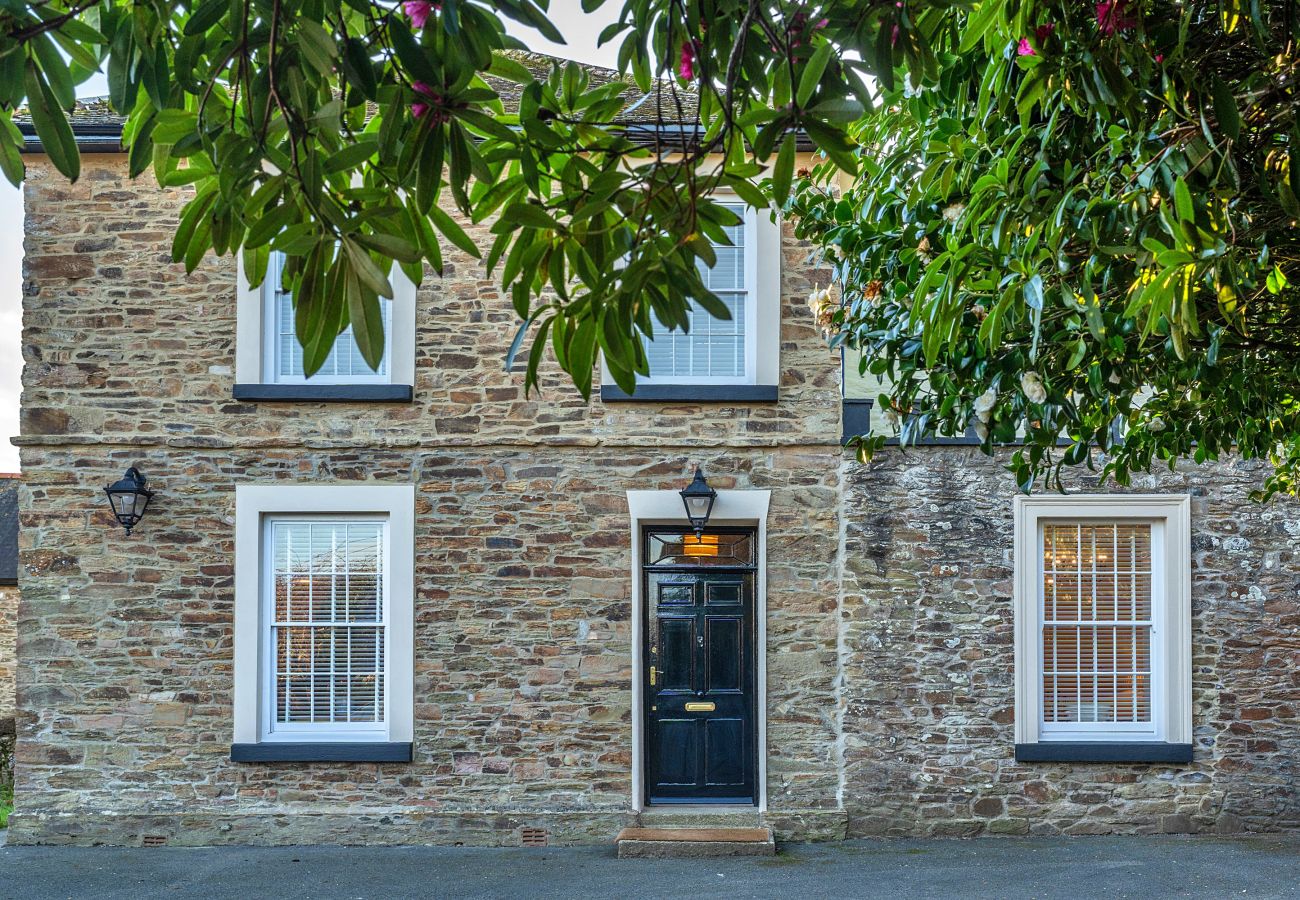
(698, 498)
(129, 498)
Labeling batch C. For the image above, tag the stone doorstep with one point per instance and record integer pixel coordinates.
(699, 843)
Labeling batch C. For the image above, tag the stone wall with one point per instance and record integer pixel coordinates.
(889, 649)
(122, 347)
(8, 654)
(928, 656)
(523, 697)
(522, 647)
(8, 676)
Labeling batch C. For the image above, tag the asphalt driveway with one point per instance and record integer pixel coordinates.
(1004, 868)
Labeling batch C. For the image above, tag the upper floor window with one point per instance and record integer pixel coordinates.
(344, 365)
(1103, 622)
(715, 351)
(269, 358)
(734, 359)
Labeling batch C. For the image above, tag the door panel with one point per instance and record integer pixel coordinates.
(726, 653)
(700, 681)
(722, 764)
(677, 654)
(678, 753)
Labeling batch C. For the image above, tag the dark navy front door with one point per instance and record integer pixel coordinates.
(700, 667)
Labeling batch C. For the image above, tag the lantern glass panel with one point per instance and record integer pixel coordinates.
(698, 507)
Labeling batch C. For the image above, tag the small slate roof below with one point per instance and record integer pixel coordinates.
(9, 529)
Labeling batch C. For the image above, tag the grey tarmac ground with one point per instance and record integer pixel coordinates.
(1074, 868)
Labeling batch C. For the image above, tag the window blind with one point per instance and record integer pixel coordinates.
(327, 627)
(1097, 622)
(344, 361)
(711, 348)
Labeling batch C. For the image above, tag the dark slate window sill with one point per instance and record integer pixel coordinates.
(323, 751)
(324, 393)
(855, 416)
(1104, 752)
(691, 393)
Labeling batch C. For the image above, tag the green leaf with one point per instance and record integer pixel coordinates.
(367, 320)
(1183, 201)
(11, 161)
(1225, 108)
(57, 139)
(55, 70)
(207, 14)
(351, 156)
(410, 54)
(509, 69)
(783, 171)
(812, 73)
(452, 231)
(528, 215)
(390, 245)
(1276, 281)
(363, 267)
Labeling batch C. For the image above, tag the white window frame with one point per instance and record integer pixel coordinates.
(256, 507)
(762, 306)
(257, 354)
(1171, 632)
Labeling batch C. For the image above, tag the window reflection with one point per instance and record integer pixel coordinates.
(712, 548)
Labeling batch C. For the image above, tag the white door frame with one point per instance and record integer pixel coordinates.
(747, 508)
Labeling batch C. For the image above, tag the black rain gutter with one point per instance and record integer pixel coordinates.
(101, 138)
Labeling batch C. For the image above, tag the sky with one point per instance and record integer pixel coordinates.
(580, 29)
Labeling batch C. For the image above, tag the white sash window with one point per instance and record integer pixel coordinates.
(344, 365)
(267, 352)
(1103, 619)
(324, 607)
(325, 602)
(715, 351)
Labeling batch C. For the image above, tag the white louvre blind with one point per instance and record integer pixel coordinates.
(327, 623)
(1096, 594)
(712, 348)
(345, 362)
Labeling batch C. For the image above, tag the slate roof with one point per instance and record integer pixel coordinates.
(9, 529)
(98, 127)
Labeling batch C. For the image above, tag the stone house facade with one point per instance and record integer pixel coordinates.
(864, 643)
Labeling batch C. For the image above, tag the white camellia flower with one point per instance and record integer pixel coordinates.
(817, 299)
(892, 419)
(953, 213)
(1156, 425)
(982, 430)
(823, 307)
(984, 404)
(1032, 385)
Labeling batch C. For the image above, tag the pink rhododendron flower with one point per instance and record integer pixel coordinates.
(1160, 57)
(1043, 32)
(431, 103)
(686, 68)
(1111, 17)
(419, 11)
(1024, 49)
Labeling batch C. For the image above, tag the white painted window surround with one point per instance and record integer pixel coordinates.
(1103, 618)
(647, 508)
(267, 352)
(324, 612)
(746, 349)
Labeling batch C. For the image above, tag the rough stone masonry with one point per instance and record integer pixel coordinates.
(889, 644)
